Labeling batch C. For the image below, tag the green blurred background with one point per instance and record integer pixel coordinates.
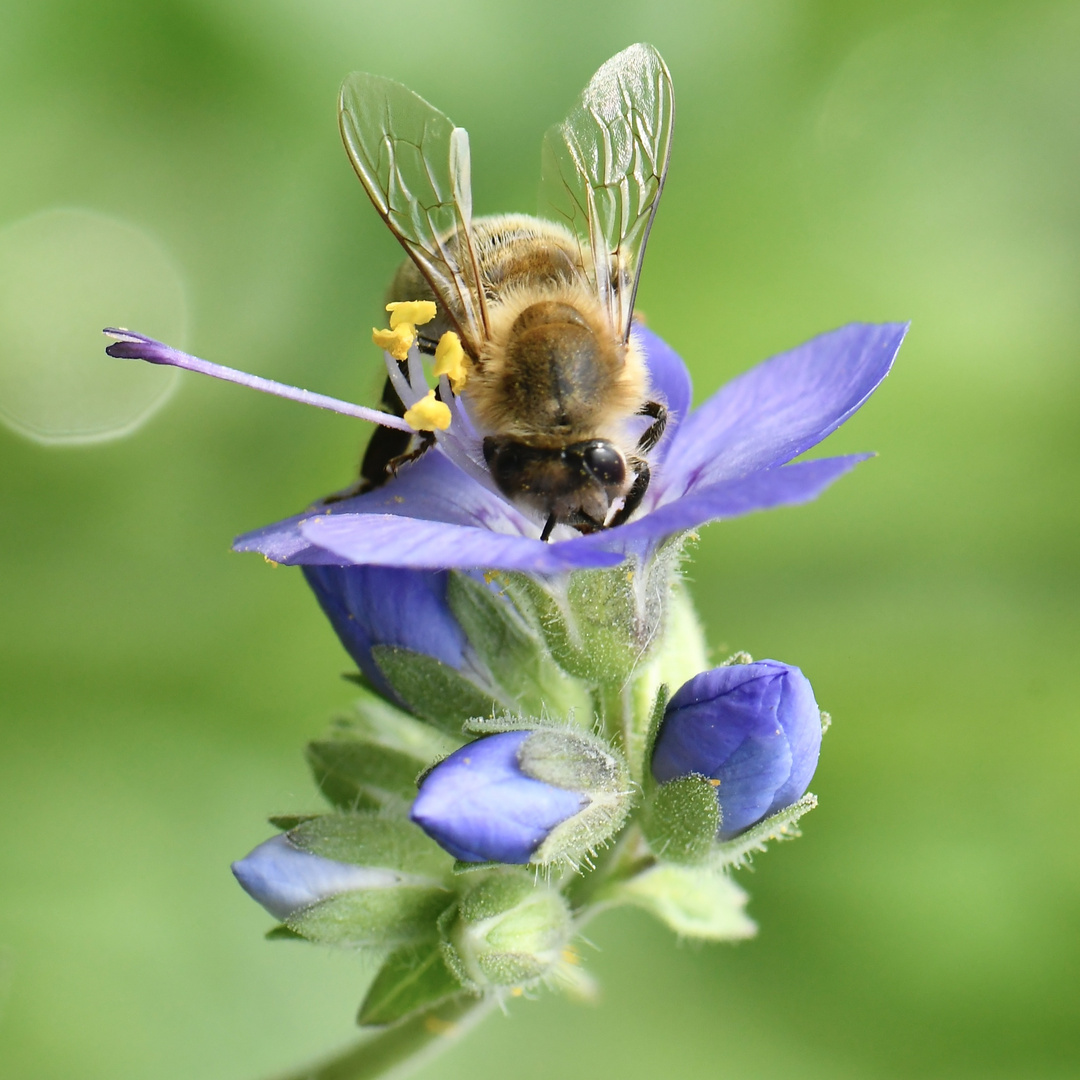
(834, 161)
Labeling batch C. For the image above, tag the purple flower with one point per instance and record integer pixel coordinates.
(480, 806)
(731, 456)
(726, 458)
(755, 728)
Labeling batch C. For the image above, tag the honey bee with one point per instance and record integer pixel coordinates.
(543, 309)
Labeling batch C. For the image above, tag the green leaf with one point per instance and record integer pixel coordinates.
(386, 916)
(695, 901)
(513, 651)
(681, 819)
(432, 689)
(412, 978)
(368, 840)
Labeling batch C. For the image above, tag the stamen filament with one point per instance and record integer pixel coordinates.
(131, 346)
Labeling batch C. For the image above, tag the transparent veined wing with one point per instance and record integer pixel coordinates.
(604, 169)
(414, 165)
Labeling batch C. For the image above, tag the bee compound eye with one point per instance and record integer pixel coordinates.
(604, 462)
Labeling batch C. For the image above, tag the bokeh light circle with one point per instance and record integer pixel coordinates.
(64, 274)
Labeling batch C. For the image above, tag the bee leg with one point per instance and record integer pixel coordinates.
(427, 441)
(550, 524)
(636, 493)
(655, 431)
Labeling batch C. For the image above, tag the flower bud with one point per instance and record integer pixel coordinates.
(752, 729)
(510, 931)
(524, 796)
(285, 879)
(351, 880)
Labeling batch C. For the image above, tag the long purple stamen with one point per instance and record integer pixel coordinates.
(131, 346)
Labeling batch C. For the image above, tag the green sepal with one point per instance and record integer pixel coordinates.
(512, 650)
(509, 930)
(372, 757)
(285, 822)
(282, 933)
(583, 763)
(373, 841)
(695, 901)
(462, 867)
(652, 730)
(783, 825)
(681, 820)
(589, 619)
(405, 914)
(433, 690)
(411, 978)
(354, 774)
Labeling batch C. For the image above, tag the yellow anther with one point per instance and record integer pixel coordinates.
(396, 342)
(428, 414)
(570, 956)
(416, 312)
(714, 783)
(450, 361)
(517, 992)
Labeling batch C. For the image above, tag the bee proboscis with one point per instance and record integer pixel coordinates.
(543, 309)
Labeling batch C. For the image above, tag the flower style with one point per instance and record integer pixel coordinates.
(753, 729)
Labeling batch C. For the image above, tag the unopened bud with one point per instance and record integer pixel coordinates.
(754, 730)
(510, 931)
(525, 796)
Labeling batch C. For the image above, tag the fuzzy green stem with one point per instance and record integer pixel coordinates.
(396, 1052)
(623, 860)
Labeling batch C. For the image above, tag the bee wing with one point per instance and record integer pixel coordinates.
(604, 169)
(414, 165)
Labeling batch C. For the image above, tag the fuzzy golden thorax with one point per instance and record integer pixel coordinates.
(552, 372)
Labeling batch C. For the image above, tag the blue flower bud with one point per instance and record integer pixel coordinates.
(525, 796)
(481, 807)
(285, 879)
(755, 728)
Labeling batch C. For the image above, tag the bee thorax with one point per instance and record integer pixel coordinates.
(557, 368)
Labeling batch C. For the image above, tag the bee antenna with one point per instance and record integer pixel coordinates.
(132, 346)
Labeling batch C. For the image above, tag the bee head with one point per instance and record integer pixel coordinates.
(576, 483)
